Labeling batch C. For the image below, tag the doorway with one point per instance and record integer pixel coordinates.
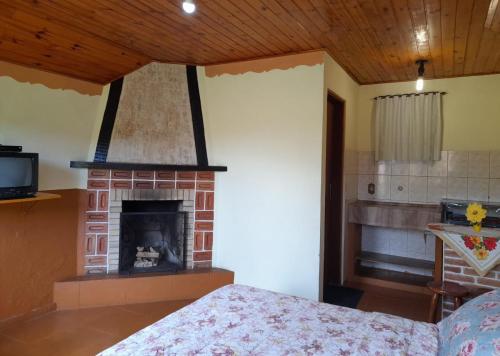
(334, 167)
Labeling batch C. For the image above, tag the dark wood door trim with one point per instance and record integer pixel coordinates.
(333, 195)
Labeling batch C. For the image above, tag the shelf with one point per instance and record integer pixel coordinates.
(394, 276)
(396, 260)
(39, 197)
(394, 215)
(144, 166)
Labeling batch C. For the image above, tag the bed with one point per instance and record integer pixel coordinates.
(241, 320)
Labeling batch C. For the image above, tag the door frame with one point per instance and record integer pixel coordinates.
(326, 189)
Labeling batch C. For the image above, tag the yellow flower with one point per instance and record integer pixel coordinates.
(476, 240)
(481, 254)
(475, 213)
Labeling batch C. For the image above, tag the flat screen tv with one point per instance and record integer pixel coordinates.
(18, 175)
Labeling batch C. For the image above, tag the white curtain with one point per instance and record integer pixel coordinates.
(408, 127)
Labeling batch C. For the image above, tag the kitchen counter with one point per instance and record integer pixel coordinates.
(394, 215)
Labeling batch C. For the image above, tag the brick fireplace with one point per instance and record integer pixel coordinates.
(106, 191)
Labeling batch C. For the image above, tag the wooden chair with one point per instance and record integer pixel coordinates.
(454, 290)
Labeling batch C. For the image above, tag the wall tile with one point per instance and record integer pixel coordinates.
(439, 168)
(457, 188)
(430, 246)
(436, 189)
(478, 189)
(350, 186)
(383, 167)
(458, 163)
(399, 188)
(479, 164)
(382, 187)
(494, 190)
(366, 162)
(400, 168)
(418, 189)
(363, 181)
(458, 175)
(495, 164)
(375, 239)
(418, 168)
(398, 242)
(367, 242)
(416, 244)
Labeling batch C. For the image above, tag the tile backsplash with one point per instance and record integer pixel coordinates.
(461, 175)
(398, 242)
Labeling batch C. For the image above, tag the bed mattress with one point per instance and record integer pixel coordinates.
(241, 320)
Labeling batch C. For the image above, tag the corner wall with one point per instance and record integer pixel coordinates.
(341, 84)
(267, 128)
(54, 116)
(54, 120)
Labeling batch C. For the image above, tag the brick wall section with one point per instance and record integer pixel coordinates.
(96, 216)
(455, 269)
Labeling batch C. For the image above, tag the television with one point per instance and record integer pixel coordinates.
(18, 175)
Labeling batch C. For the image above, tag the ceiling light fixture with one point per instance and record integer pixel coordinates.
(421, 71)
(188, 6)
(421, 36)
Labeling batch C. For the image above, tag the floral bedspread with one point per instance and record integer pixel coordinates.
(241, 320)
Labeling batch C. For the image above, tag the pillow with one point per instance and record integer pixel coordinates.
(472, 329)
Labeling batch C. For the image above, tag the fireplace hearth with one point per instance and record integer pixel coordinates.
(152, 237)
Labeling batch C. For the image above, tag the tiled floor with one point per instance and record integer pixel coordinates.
(81, 332)
(88, 331)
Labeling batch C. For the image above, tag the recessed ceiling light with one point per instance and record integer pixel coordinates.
(421, 36)
(188, 6)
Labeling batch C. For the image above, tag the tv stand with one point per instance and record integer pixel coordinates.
(38, 197)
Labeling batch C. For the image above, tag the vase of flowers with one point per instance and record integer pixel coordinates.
(475, 215)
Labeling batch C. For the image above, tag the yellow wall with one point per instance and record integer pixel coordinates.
(342, 85)
(267, 128)
(56, 123)
(471, 111)
(339, 82)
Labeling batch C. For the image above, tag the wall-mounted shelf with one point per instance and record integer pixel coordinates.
(396, 260)
(39, 197)
(394, 215)
(394, 276)
(144, 166)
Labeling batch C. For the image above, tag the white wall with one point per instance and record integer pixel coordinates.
(55, 123)
(267, 128)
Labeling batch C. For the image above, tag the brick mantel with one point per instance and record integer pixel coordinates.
(103, 187)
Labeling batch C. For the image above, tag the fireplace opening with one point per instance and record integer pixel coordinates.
(152, 236)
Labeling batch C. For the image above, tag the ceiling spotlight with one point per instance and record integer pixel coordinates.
(188, 6)
(421, 71)
(421, 36)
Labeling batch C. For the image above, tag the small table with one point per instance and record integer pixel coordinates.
(454, 290)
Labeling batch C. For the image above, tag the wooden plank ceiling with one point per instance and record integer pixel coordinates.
(373, 40)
